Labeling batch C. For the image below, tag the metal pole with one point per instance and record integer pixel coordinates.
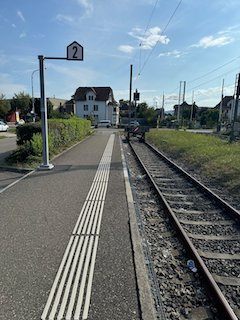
(130, 95)
(33, 107)
(162, 110)
(182, 123)
(220, 110)
(45, 165)
(237, 99)
(184, 91)
(178, 113)
(192, 107)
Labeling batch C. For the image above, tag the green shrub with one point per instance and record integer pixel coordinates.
(35, 145)
(26, 131)
(60, 133)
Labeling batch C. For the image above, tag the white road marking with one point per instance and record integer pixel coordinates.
(13, 183)
(70, 295)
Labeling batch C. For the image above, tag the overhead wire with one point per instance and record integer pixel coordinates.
(214, 70)
(159, 39)
(146, 31)
(208, 74)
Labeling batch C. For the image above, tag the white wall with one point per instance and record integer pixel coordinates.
(105, 112)
(101, 113)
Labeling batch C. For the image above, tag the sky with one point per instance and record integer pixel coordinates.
(167, 42)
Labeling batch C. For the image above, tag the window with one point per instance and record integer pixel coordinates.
(114, 109)
(90, 97)
(85, 116)
(85, 107)
(95, 107)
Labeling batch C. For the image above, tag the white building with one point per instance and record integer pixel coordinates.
(97, 102)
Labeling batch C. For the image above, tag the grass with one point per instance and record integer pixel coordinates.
(214, 157)
(3, 137)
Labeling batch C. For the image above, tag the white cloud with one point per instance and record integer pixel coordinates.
(149, 38)
(39, 36)
(63, 18)
(13, 25)
(209, 41)
(174, 53)
(3, 59)
(8, 87)
(22, 35)
(88, 7)
(19, 13)
(127, 49)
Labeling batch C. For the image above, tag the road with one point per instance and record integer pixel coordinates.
(7, 145)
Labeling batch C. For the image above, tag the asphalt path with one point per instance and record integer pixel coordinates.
(7, 145)
(38, 215)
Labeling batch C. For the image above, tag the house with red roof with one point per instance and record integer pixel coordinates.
(97, 102)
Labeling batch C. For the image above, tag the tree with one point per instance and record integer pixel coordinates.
(150, 116)
(22, 102)
(4, 106)
(212, 117)
(208, 117)
(141, 108)
(37, 108)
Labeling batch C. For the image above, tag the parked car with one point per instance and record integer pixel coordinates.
(3, 126)
(20, 122)
(104, 123)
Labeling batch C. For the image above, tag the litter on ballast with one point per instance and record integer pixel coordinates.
(191, 265)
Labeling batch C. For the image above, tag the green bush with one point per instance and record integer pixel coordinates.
(26, 131)
(60, 133)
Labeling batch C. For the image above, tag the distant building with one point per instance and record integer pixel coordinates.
(183, 106)
(97, 102)
(228, 104)
(63, 105)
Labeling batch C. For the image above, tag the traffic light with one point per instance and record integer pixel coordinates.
(136, 96)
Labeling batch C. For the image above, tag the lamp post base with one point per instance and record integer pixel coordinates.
(46, 166)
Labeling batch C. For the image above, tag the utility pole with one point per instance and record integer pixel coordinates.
(183, 101)
(237, 99)
(184, 91)
(220, 109)
(130, 95)
(162, 115)
(178, 113)
(191, 116)
(236, 96)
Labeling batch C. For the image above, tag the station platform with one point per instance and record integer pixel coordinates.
(70, 242)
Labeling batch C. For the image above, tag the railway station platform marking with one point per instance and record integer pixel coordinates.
(70, 294)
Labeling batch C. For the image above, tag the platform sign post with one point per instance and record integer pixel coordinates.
(46, 165)
(74, 52)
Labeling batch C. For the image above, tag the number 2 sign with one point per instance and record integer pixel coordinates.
(75, 51)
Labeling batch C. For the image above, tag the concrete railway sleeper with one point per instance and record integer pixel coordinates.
(207, 225)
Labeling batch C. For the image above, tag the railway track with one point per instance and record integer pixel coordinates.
(207, 226)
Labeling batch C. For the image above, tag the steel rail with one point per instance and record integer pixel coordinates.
(232, 211)
(212, 288)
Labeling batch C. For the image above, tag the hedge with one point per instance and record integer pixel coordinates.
(61, 131)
